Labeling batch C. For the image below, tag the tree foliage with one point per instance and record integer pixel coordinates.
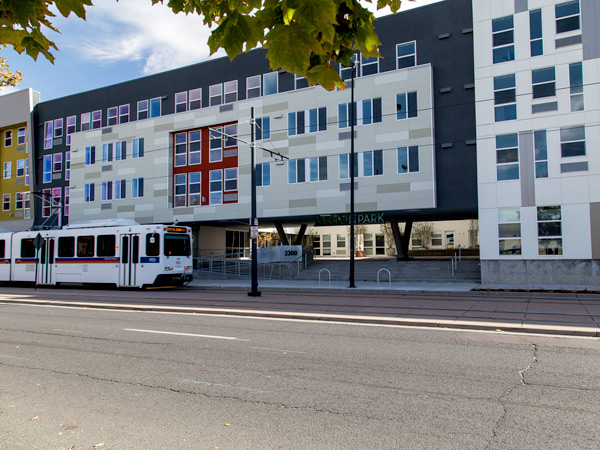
(304, 37)
(423, 232)
(7, 77)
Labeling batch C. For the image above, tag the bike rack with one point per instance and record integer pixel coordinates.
(389, 276)
(328, 272)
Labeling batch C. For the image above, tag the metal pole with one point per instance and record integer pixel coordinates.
(254, 292)
(352, 250)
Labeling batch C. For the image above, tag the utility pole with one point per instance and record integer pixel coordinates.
(254, 292)
(352, 118)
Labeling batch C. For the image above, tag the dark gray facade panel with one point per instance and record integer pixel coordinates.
(574, 167)
(595, 228)
(520, 6)
(527, 168)
(565, 42)
(590, 18)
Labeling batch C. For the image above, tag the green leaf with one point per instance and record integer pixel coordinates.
(290, 47)
(321, 15)
(326, 76)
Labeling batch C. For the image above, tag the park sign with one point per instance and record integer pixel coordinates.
(344, 219)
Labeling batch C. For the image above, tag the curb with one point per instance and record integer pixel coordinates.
(555, 330)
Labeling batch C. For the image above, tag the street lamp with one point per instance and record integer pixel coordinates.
(352, 113)
(254, 292)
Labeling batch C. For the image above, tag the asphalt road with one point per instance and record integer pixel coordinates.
(82, 378)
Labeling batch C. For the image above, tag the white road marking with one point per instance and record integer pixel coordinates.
(277, 350)
(185, 334)
(13, 357)
(228, 386)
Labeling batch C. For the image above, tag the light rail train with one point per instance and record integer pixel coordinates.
(119, 252)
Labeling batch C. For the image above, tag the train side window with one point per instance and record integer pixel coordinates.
(66, 247)
(27, 248)
(152, 244)
(85, 246)
(2, 248)
(106, 245)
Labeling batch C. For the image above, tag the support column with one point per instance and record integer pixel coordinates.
(282, 237)
(400, 240)
(298, 240)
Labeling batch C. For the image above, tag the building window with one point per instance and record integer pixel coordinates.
(300, 82)
(5, 202)
(340, 241)
(27, 173)
(86, 119)
(509, 231)
(138, 148)
(48, 134)
(180, 149)
(107, 152)
(194, 189)
(107, 190)
(505, 98)
(406, 55)
(195, 147)
(541, 153)
(216, 145)
(369, 66)
(137, 188)
(408, 159)
(142, 109)
(46, 202)
(47, 173)
(21, 168)
(326, 245)
(365, 112)
(96, 119)
(155, 107)
(406, 105)
(67, 200)
(124, 113)
(253, 86)
(8, 138)
(544, 82)
(26, 205)
(263, 174)
(503, 36)
(436, 239)
(230, 91)
(215, 94)
(120, 188)
(230, 136)
(58, 128)
(507, 157)
(19, 201)
(366, 164)
(112, 116)
(216, 187)
(549, 230)
(120, 150)
(576, 86)
(7, 169)
(180, 190)
(572, 141)
(270, 82)
(67, 166)
(231, 179)
(195, 96)
(89, 192)
(21, 138)
(307, 170)
(181, 101)
(90, 156)
(567, 17)
(57, 162)
(309, 121)
(535, 32)
(71, 127)
(262, 128)
(346, 72)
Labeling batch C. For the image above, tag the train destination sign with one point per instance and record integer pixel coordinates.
(344, 219)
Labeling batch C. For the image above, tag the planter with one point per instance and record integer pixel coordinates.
(390, 251)
(360, 254)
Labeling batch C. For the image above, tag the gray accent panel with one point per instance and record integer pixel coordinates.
(107, 168)
(92, 175)
(277, 107)
(106, 206)
(160, 193)
(303, 203)
(346, 135)
(420, 133)
(56, 176)
(309, 139)
(228, 153)
(574, 167)
(527, 168)
(107, 130)
(21, 148)
(21, 181)
(544, 107)
(164, 127)
(57, 141)
(565, 42)
(346, 186)
(393, 188)
(230, 197)
(520, 6)
(126, 208)
(590, 18)
(224, 108)
(595, 227)
(19, 214)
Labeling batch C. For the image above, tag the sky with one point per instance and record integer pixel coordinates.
(119, 41)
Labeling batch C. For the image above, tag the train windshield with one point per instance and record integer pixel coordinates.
(177, 245)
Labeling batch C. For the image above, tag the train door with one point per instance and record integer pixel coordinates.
(45, 269)
(130, 259)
